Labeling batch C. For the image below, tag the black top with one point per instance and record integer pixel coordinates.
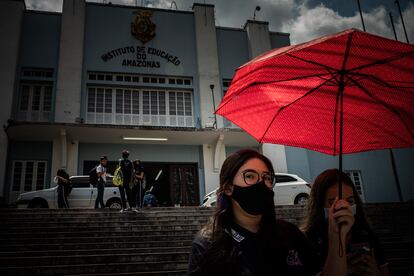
(359, 238)
(254, 254)
(126, 168)
(62, 173)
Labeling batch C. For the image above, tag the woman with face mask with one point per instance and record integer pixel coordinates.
(243, 237)
(362, 250)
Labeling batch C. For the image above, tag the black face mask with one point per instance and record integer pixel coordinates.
(255, 199)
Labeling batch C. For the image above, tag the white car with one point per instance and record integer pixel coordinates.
(289, 189)
(83, 195)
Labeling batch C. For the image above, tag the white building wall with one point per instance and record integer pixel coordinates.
(212, 176)
(65, 154)
(207, 64)
(259, 42)
(69, 78)
(11, 17)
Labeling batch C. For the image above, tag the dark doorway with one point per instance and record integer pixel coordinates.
(173, 183)
(184, 185)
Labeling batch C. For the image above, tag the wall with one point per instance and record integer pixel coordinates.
(207, 64)
(40, 40)
(11, 16)
(232, 50)
(69, 77)
(376, 172)
(149, 153)
(108, 28)
(278, 40)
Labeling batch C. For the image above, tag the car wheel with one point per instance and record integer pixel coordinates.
(301, 199)
(38, 203)
(114, 204)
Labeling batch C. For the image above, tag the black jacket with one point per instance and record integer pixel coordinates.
(252, 254)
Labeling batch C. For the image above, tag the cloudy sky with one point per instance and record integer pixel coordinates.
(303, 19)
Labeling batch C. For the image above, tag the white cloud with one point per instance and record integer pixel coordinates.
(291, 16)
(320, 20)
(409, 24)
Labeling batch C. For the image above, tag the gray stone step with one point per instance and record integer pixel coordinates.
(99, 239)
(95, 259)
(86, 229)
(19, 224)
(106, 268)
(93, 251)
(121, 244)
(169, 273)
(191, 230)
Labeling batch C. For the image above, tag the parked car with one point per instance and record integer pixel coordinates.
(289, 189)
(83, 195)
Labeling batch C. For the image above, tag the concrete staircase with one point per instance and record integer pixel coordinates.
(153, 242)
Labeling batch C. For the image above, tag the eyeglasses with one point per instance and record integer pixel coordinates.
(252, 177)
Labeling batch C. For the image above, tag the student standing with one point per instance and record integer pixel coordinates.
(244, 238)
(362, 249)
(139, 176)
(126, 168)
(62, 179)
(101, 172)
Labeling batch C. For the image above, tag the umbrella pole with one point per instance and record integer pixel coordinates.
(397, 180)
(341, 101)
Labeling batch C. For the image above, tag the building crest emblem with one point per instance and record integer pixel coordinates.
(143, 28)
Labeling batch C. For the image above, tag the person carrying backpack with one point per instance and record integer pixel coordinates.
(126, 168)
(101, 177)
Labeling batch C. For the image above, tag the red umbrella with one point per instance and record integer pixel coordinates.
(343, 93)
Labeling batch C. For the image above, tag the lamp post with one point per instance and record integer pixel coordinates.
(255, 10)
(214, 105)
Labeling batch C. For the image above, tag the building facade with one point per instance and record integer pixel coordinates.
(99, 78)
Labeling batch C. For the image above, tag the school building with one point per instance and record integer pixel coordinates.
(99, 78)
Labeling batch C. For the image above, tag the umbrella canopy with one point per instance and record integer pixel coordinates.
(343, 93)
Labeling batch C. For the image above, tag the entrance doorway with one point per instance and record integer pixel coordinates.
(174, 184)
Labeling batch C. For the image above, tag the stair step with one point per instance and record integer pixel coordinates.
(50, 231)
(94, 259)
(123, 244)
(107, 268)
(106, 251)
(63, 240)
(169, 273)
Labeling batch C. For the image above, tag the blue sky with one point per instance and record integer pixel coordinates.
(303, 19)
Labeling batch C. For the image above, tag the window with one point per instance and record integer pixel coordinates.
(28, 175)
(357, 179)
(35, 102)
(139, 107)
(284, 178)
(100, 100)
(106, 77)
(153, 102)
(118, 100)
(38, 73)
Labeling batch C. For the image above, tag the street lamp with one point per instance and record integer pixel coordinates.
(255, 10)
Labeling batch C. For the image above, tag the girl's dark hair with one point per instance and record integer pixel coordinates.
(315, 223)
(220, 252)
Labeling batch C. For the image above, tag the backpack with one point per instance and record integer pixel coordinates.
(93, 176)
(118, 178)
